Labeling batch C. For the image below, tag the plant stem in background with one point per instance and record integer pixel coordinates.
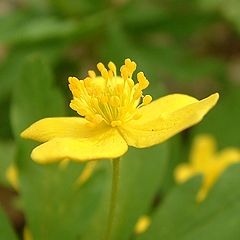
(114, 196)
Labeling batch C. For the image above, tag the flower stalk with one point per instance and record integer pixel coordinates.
(114, 196)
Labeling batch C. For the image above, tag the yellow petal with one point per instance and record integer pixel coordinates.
(229, 156)
(49, 128)
(183, 172)
(156, 128)
(108, 145)
(203, 150)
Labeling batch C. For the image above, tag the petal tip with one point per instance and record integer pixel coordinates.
(214, 97)
(36, 156)
(24, 134)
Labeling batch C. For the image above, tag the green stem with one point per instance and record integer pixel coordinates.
(114, 195)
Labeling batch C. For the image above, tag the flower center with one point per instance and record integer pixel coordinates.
(109, 98)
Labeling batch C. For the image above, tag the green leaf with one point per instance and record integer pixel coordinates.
(217, 217)
(23, 28)
(7, 151)
(34, 97)
(77, 8)
(6, 231)
(141, 175)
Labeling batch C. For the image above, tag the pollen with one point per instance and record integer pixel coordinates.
(109, 97)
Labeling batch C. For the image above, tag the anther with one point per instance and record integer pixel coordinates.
(147, 99)
(73, 81)
(131, 66)
(124, 72)
(100, 66)
(112, 67)
(143, 82)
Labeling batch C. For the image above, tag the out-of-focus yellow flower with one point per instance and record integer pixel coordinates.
(12, 176)
(142, 224)
(206, 161)
(27, 235)
(114, 114)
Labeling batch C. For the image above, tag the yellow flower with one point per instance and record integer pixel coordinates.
(114, 114)
(142, 224)
(206, 161)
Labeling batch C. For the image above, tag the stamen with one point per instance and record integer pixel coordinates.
(137, 94)
(109, 98)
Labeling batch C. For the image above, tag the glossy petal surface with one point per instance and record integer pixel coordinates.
(161, 122)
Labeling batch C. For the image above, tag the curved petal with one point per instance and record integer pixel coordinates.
(107, 145)
(59, 127)
(139, 133)
(229, 156)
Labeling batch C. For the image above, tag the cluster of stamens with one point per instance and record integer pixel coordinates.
(109, 98)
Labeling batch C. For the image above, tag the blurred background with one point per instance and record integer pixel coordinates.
(190, 47)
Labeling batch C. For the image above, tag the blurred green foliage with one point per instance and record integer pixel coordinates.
(191, 47)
